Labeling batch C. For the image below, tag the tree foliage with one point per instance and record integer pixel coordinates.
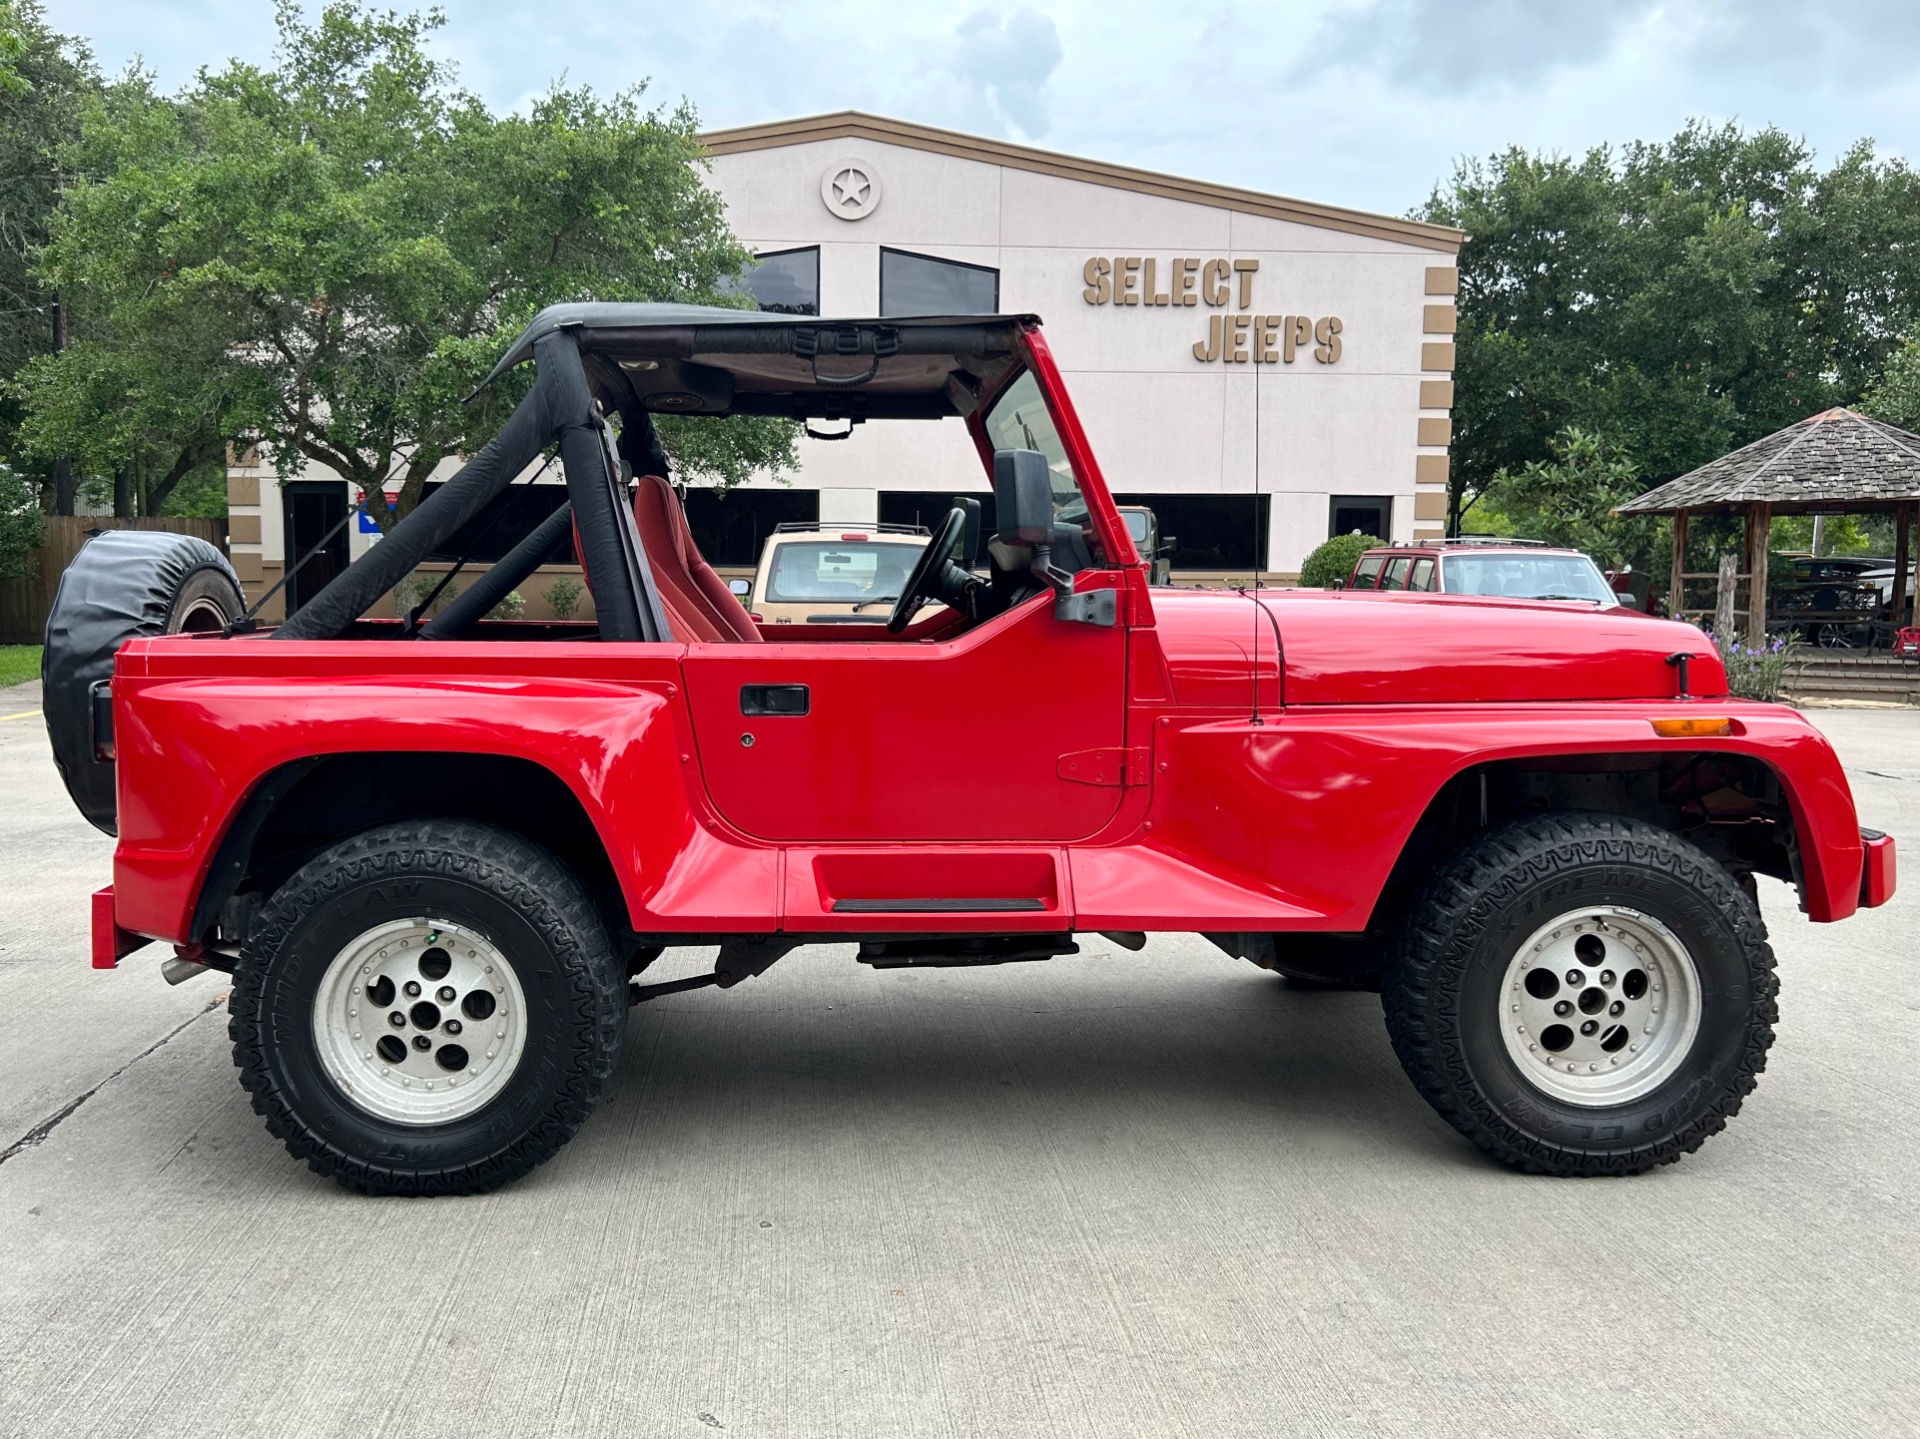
(1679, 298)
(21, 525)
(325, 254)
(1568, 499)
(44, 79)
(1895, 395)
(1334, 560)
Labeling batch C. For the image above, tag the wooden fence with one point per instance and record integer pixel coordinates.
(24, 603)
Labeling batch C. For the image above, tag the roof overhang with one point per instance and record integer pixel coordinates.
(855, 125)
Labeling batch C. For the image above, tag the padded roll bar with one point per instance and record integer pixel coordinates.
(558, 407)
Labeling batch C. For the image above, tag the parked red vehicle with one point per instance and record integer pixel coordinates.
(438, 860)
(1486, 565)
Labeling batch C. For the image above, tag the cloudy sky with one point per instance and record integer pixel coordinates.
(1355, 102)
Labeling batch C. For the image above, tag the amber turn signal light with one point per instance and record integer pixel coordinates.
(1691, 728)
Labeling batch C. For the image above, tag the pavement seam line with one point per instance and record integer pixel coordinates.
(38, 1134)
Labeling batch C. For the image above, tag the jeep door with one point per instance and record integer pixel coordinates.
(981, 737)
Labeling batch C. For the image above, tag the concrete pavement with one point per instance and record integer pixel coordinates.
(1109, 1195)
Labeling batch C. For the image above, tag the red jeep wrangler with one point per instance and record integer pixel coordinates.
(437, 857)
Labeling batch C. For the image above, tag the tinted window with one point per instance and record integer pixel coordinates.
(1360, 514)
(730, 526)
(838, 570)
(507, 519)
(921, 285)
(1396, 573)
(1422, 575)
(1367, 574)
(1208, 532)
(1528, 577)
(785, 282)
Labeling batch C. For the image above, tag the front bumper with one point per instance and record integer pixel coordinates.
(1876, 868)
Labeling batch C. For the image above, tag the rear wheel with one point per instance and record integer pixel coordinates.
(428, 1008)
(1583, 994)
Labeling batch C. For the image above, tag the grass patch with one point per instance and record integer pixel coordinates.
(18, 664)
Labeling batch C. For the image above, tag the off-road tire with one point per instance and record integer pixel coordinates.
(1445, 974)
(494, 882)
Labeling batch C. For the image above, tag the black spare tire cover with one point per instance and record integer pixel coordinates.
(123, 583)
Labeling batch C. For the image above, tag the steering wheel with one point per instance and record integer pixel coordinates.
(929, 571)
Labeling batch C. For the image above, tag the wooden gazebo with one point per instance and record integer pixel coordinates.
(1835, 462)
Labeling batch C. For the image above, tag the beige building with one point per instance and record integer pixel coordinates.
(1262, 371)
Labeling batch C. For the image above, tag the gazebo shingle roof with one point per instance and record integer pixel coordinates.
(1837, 459)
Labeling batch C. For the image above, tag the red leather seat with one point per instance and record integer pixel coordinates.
(699, 604)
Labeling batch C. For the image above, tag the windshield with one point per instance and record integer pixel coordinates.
(1528, 577)
(1136, 522)
(839, 572)
(1019, 421)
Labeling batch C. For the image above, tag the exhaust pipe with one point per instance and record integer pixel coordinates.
(179, 971)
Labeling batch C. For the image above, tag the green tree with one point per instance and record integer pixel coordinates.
(1680, 298)
(1895, 395)
(44, 79)
(1568, 500)
(21, 525)
(324, 255)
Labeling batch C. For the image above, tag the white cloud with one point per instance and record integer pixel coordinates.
(1356, 102)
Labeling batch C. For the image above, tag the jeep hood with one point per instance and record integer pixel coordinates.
(1343, 647)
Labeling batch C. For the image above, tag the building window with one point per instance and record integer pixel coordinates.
(922, 285)
(785, 282)
(1209, 532)
(729, 527)
(1360, 514)
(502, 523)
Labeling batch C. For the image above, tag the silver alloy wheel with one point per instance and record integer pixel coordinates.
(1600, 1005)
(420, 1021)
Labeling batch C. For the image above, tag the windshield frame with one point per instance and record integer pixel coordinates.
(1112, 546)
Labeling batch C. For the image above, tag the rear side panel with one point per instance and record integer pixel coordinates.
(192, 747)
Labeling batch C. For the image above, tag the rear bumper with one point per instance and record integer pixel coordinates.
(111, 943)
(1876, 868)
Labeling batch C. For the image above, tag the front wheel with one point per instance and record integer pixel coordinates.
(427, 1008)
(1583, 994)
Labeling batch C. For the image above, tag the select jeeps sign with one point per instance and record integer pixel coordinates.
(1232, 339)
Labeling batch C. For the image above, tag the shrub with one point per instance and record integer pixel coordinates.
(416, 587)
(22, 528)
(1334, 560)
(512, 606)
(563, 596)
(1759, 672)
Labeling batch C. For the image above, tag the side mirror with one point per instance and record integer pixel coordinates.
(740, 588)
(1338, 584)
(1022, 497)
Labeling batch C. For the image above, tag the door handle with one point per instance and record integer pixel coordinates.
(774, 700)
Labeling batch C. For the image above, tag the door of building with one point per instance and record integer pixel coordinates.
(312, 511)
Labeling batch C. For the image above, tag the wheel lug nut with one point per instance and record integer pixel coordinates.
(452, 1026)
(1564, 1007)
(1606, 977)
(422, 1043)
(447, 994)
(412, 988)
(1576, 978)
(1617, 1007)
(397, 1020)
(1592, 1026)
